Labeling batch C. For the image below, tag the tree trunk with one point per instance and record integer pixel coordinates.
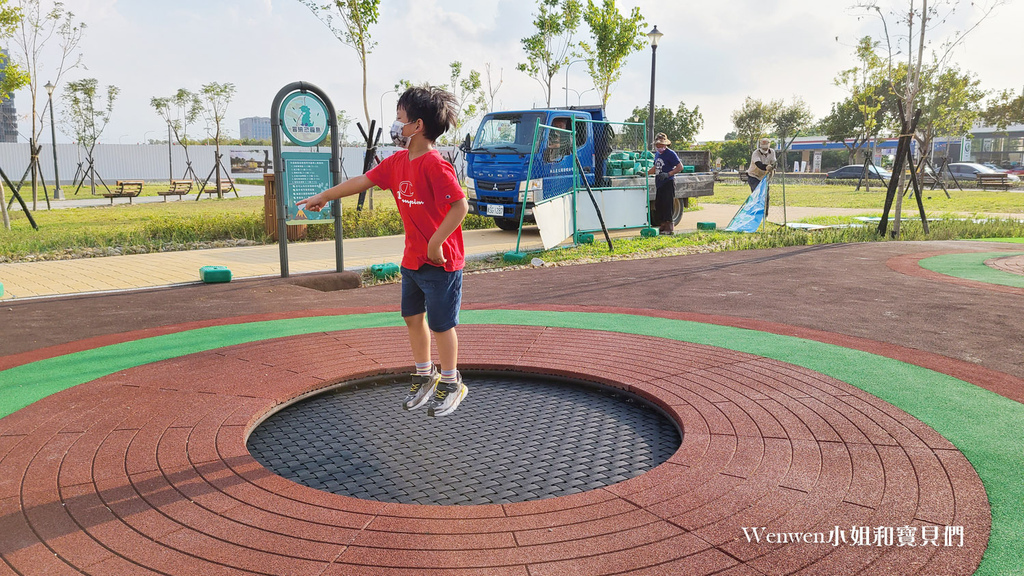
(34, 165)
(366, 108)
(216, 162)
(92, 174)
(3, 207)
(31, 141)
(913, 85)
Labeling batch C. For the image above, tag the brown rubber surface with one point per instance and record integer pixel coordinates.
(1011, 264)
(146, 469)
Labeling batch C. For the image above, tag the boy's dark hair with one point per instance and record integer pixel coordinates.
(436, 107)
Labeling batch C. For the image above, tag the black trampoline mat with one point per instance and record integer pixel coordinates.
(515, 437)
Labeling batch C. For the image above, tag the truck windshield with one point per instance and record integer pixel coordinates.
(507, 133)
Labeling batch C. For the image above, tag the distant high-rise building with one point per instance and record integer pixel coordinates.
(254, 128)
(8, 115)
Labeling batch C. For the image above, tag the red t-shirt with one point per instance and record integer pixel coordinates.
(424, 190)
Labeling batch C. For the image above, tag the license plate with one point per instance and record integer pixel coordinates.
(495, 210)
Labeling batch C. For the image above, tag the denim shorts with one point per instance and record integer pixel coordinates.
(435, 291)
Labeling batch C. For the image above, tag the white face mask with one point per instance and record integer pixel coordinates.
(764, 147)
(396, 134)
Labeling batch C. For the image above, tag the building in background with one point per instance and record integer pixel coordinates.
(8, 114)
(254, 128)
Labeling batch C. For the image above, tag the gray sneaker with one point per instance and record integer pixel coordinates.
(421, 390)
(447, 397)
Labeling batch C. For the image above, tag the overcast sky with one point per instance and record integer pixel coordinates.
(712, 55)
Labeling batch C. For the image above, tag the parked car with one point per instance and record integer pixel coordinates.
(1017, 170)
(967, 170)
(853, 172)
(994, 167)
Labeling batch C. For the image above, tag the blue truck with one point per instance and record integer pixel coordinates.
(497, 163)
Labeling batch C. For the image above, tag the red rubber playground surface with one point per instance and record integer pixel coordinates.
(806, 447)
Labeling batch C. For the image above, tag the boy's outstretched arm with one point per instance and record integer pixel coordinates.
(451, 221)
(347, 188)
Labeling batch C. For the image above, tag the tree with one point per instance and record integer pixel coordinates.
(467, 96)
(35, 29)
(864, 113)
(615, 37)
(344, 121)
(788, 122)
(216, 98)
(356, 17)
(180, 111)
(950, 104)
(680, 126)
(88, 113)
(1005, 109)
(842, 124)
(733, 153)
(754, 119)
(13, 78)
(922, 26)
(548, 50)
(487, 96)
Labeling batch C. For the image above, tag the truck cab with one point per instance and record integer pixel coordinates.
(498, 161)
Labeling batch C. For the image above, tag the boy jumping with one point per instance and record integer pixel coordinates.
(432, 205)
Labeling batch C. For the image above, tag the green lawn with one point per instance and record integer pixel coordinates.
(839, 196)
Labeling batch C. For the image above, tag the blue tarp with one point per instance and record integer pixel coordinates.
(751, 214)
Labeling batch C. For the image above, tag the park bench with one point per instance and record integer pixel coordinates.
(998, 181)
(224, 187)
(125, 189)
(178, 188)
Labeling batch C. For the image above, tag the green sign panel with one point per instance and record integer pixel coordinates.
(304, 118)
(303, 175)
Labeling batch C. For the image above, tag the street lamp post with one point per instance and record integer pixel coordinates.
(58, 194)
(655, 36)
(382, 108)
(579, 95)
(567, 80)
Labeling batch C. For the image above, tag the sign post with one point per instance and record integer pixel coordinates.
(305, 114)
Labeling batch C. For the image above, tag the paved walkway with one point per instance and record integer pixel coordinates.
(56, 277)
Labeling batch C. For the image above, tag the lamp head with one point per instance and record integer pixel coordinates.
(49, 88)
(655, 36)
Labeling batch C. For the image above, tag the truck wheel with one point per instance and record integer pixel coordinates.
(507, 223)
(677, 210)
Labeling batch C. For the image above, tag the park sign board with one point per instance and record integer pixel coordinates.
(305, 115)
(304, 174)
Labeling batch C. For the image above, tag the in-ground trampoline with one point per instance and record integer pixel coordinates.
(521, 437)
